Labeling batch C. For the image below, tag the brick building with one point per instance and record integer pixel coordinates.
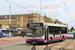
(19, 21)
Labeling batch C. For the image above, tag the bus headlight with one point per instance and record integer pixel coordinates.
(42, 40)
(26, 39)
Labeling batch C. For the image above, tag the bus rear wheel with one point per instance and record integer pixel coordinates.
(74, 37)
(63, 38)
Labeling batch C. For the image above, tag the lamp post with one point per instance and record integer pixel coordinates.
(6, 20)
(37, 16)
(9, 19)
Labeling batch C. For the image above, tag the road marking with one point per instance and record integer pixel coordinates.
(71, 46)
(61, 45)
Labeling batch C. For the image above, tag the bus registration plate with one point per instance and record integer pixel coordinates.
(33, 42)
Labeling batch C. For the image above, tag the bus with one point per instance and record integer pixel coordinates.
(45, 32)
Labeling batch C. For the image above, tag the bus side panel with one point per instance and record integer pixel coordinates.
(57, 37)
(65, 36)
(60, 38)
(49, 38)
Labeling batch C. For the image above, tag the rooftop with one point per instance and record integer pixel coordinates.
(12, 16)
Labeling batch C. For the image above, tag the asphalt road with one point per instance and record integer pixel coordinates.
(23, 46)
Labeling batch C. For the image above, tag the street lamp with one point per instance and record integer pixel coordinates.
(37, 16)
(9, 19)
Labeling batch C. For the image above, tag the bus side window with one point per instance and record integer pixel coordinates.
(60, 32)
(52, 32)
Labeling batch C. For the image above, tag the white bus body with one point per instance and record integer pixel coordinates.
(53, 33)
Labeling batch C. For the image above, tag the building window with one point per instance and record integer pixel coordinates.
(18, 25)
(28, 21)
(12, 25)
(12, 20)
(8, 20)
(23, 20)
(24, 25)
(18, 19)
(3, 20)
(31, 21)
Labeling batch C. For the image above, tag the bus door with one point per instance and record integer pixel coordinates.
(46, 34)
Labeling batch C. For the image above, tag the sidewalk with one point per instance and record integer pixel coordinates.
(7, 40)
(11, 38)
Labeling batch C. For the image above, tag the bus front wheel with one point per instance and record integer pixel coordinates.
(50, 40)
(74, 37)
(63, 38)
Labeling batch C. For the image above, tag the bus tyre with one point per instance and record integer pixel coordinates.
(50, 40)
(63, 39)
(74, 37)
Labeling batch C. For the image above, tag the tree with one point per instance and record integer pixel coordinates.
(32, 13)
(72, 28)
(49, 20)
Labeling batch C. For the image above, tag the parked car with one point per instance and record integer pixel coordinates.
(71, 35)
(1, 34)
(5, 35)
(5, 32)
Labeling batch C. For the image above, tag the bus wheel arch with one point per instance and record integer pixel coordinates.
(50, 39)
(63, 38)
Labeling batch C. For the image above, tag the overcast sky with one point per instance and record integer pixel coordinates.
(52, 8)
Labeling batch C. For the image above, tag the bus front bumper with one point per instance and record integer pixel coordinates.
(35, 42)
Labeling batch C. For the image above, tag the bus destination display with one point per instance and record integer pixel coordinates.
(34, 25)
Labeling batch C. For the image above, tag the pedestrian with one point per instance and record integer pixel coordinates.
(17, 34)
(22, 34)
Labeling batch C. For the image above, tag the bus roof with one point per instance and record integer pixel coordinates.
(51, 24)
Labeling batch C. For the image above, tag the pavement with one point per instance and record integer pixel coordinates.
(17, 46)
(7, 40)
(12, 44)
(11, 38)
